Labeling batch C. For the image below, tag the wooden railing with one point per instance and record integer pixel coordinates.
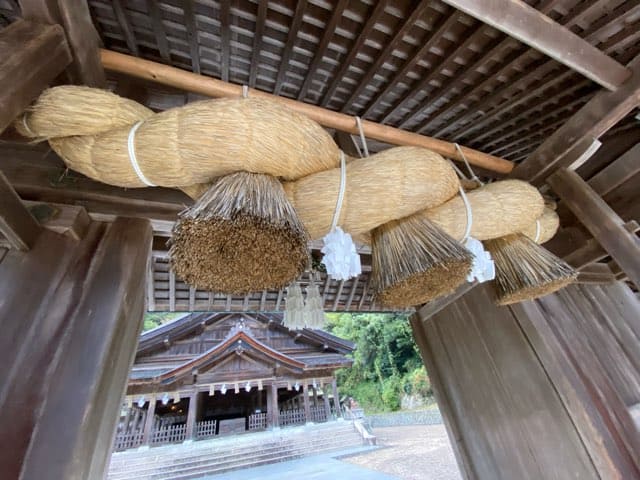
(206, 429)
(258, 421)
(318, 414)
(294, 416)
(169, 434)
(127, 440)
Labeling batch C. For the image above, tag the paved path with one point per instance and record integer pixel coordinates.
(416, 452)
(320, 467)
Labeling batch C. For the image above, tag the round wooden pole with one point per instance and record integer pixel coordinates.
(192, 82)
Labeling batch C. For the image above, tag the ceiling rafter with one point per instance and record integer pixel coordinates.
(521, 21)
(417, 9)
(445, 22)
(345, 63)
(320, 51)
(257, 41)
(288, 48)
(158, 29)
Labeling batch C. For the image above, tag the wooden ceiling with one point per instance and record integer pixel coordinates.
(419, 65)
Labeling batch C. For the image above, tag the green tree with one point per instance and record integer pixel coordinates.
(384, 362)
(155, 319)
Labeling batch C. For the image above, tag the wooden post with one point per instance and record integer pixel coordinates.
(305, 399)
(600, 219)
(336, 399)
(73, 309)
(325, 399)
(149, 422)
(315, 396)
(539, 389)
(192, 415)
(273, 412)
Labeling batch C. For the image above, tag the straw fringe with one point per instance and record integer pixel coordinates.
(525, 270)
(413, 262)
(242, 236)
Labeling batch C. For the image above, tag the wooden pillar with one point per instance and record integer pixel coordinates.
(305, 399)
(149, 421)
(600, 219)
(315, 396)
(273, 412)
(71, 314)
(336, 398)
(192, 414)
(325, 399)
(541, 389)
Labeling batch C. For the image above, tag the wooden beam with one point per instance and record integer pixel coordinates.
(603, 223)
(591, 251)
(81, 35)
(519, 20)
(603, 111)
(34, 55)
(617, 172)
(433, 307)
(191, 82)
(16, 223)
(596, 273)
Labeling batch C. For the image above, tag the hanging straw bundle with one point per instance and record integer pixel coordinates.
(413, 261)
(498, 209)
(242, 235)
(525, 270)
(386, 186)
(186, 145)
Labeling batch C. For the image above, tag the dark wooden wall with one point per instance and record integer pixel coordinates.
(70, 315)
(539, 390)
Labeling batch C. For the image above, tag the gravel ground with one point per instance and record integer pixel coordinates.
(418, 452)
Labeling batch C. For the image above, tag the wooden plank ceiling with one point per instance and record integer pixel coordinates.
(419, 65)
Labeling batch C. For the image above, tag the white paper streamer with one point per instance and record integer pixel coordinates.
(340, 256)
(483, 268)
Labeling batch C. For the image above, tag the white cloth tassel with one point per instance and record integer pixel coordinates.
(314, 312)
(483, 268)
(340, 256)
(294, 308)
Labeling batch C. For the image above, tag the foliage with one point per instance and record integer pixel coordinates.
(155, 319)
(386, 362)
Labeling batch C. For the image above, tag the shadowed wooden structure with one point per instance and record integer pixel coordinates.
(543, 90)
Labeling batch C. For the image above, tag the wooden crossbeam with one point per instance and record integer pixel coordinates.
(519, 20)
(591, 251)
(600, 219)
(33, 55)
(212, 87)
(16, 223)
(81, 35)
(603, 111)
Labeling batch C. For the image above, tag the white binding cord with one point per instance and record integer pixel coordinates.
(467, 206)
(343, 184)
(537, 231)
(473, 177)
(132, 156)
(245, 91)
(362, 137)
(26, 127)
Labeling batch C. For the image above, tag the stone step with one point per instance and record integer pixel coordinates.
(221, 445)
(213, 467)
(258, 453)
